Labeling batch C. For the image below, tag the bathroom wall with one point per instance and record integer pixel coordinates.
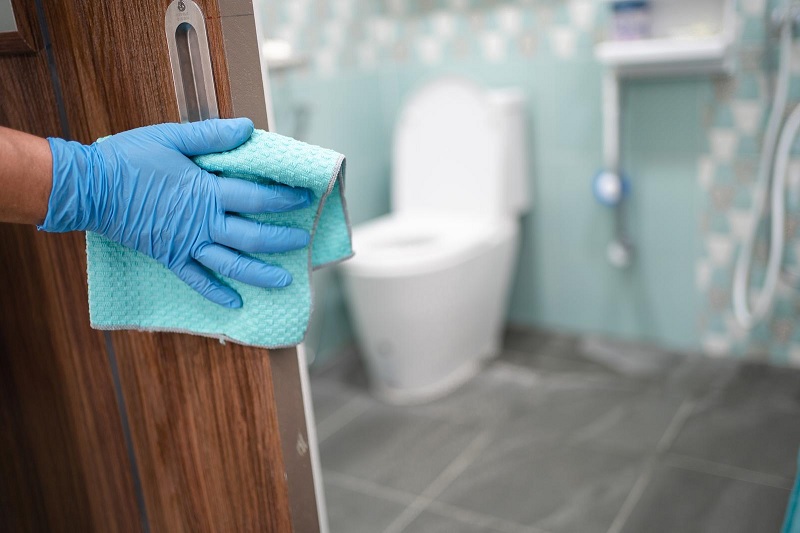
(726, 173)
(364, 58)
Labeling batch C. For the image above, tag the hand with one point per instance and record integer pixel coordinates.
(140, 189)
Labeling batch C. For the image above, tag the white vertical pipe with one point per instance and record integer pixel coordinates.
(611, 118)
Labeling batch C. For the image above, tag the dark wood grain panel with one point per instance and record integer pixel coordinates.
(63, 462)
(204, 420)
(69, 461)
(117, 88)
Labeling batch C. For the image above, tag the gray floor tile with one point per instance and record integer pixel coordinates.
(636, 424)
(431, 522)
(570, 432)
(395, 448)
(697, 376)
(534, 340)
(693, 502)
(555, 487)
(773, 387)
(553, 361)
(357, 512)
(742, 433)
(551, 352)
(327, 400)
(588, 413)
(635, 360)
(546, 351)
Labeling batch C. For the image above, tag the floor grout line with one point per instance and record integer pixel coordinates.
(368, 488)
(458, 465)
(675, 426)
(696, 464)
(342, 416)
(445, 478)
(633, 497)
(479, 519)
(667, 438)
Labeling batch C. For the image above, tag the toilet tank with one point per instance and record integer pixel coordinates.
(509, 110)
(459, 148)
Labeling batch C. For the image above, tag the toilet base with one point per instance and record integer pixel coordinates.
(428, 393)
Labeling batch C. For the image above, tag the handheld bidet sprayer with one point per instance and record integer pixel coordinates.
(771, 185)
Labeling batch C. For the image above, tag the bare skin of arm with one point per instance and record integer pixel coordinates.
(26, 177)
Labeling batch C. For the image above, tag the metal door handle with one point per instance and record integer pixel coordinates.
(191, 61)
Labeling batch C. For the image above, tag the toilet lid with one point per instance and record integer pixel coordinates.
(446, 147)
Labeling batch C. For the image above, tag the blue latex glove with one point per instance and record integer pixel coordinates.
(140, 189)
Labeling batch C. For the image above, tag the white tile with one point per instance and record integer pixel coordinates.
(702, 276)
(444, 24)
(793, 183)
(459, 4)
(494, 46)
(716, 345)
(720, 248)
(396, 7)
(430, 50)
(509, 19)
(794, 67)
(723, 143)
(581, 13)
(383, 30)
(741, 221)
(563, 41)
(735, 331)
(705, 172)
(367, 55)
(334, 35)
(297, 11)
(325, 61)
(747, 115)
(343, 9)
(753, 7)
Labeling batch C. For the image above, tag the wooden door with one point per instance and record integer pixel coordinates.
(132, 431)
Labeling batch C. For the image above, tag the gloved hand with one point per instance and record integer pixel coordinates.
(140, 189)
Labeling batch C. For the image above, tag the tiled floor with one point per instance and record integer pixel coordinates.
(565, 435)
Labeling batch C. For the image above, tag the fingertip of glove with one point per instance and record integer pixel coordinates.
(233, 303)
(302, 237)
(239, 128)
(285, 280)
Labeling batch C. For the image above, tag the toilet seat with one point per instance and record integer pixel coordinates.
(409, 244)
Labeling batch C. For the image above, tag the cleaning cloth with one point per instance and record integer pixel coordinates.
(791, 523)
(129, 290)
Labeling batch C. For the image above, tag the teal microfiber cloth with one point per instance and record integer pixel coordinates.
(129, 290)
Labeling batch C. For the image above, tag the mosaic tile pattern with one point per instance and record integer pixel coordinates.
(365, 34)
(727, 176)
(342, 36)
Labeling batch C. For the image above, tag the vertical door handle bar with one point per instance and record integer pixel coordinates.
(191, 61)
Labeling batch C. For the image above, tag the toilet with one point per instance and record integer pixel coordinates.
(429, 284)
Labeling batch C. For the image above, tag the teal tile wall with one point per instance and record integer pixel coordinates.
(737, 111)
(366, 56)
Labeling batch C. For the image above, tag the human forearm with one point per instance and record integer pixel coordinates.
(26, 177)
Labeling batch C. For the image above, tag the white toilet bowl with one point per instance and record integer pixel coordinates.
(428, 286)
(427, 297)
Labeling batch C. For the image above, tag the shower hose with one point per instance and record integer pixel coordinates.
(774, 161)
